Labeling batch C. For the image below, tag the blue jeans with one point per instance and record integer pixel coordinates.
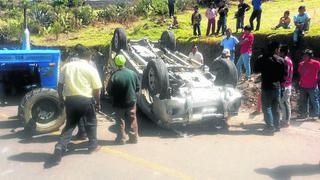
(232, 55)
(244, 59)
(309, 96)
(270, 100)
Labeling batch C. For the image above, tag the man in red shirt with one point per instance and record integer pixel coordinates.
(308, 70)
(246, 42)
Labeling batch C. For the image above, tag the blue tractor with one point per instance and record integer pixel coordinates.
(34, 72)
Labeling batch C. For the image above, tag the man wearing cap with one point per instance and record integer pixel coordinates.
(309, 71)
(79, 91)
(122, 87)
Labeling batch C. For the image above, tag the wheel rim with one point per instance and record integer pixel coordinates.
(152, 80)
(45, 110)
(116, 40)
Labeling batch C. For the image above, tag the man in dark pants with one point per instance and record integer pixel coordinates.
(80, 84)
(273, 71)
(122, 87)
(171, 8)
(223, 13)
(256, 13)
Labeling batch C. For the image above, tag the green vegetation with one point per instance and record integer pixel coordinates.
(145, 18)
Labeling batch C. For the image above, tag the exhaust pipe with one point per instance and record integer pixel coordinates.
(25, 33)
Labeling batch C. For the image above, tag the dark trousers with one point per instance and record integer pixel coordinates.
(77, 107)
(309, 96)
(270, 100)
(211, 25)
(81, 126)
(255, 14)
(240, 20)
(126, 122)
(222, 23)
(196, 27)
(171, 9)
(2, 92)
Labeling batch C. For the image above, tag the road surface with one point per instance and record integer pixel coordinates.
(201, 153)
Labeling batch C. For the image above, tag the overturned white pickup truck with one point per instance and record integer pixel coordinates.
(175, 89)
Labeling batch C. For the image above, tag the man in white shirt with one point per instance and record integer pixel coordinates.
(196, 55)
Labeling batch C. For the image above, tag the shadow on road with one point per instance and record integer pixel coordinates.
(30, 157)
(286, 172)
(12, 123)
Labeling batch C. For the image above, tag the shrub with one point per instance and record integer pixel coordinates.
(122, 13)
(142, 7)
(9, 30)
(84, 14)
(43, 14)
(183, 5)
(159, 7)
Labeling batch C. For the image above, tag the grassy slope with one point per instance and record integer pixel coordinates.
(147, 27)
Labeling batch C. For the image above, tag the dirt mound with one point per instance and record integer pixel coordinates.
(251, 91)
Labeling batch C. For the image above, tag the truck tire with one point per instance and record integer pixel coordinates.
(40, 111)
(119, 40)
(225, 72)
(155, 78)
(168, 40)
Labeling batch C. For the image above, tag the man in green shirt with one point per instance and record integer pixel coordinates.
(122, 87)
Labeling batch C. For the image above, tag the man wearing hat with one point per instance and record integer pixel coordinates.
(122, 87)
(309, 71)
(79, 91)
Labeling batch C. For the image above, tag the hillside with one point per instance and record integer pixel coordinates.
(152, 27)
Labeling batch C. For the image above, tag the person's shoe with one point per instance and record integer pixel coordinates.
(277, 129)
(80, 137)
(92, 149)
(54, 159)
(284, 125)
(268, 130)
(313, 118)
(119, 141)
(133, 140)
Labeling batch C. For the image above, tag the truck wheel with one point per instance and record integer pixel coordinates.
(168, 40)
(119, 40)
(41, 108)
(156, 79)
(225, 72)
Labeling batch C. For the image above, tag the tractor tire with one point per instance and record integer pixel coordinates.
(155, 79)
(40, 109)
(168, 40)
(225, 72)
(119, 40)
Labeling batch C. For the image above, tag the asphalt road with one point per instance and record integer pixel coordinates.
(200, 153)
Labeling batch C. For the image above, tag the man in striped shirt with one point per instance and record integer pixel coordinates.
(286, 88)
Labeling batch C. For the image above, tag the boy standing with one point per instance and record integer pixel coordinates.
(301, 21)
(286, 87)
(230, 42)
(223, 13)
(211, 15)
(195, 21)
(242, 8)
